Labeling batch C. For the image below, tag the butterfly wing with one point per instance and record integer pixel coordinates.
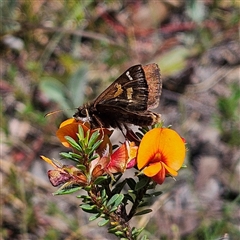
(129, 91)
(116, 116)
(154, 81)
(126, 100)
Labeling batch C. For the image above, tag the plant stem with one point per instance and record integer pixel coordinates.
(139, 196)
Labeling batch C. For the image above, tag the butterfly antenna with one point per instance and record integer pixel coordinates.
(53, 112)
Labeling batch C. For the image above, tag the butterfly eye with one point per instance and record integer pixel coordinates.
(83, 112)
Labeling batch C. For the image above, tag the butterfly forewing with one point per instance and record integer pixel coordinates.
(129, 91)
(126, 100)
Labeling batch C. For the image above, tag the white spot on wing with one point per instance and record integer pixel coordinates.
(129, 76)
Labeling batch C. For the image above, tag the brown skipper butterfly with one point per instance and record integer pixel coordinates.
(127, 100)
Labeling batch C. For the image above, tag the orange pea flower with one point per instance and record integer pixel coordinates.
(107, 162)
(124, 157)
(161, 152)
(70, 128)
(64, 175)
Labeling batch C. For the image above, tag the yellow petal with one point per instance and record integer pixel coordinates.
(153, 169)
(170, 170)
(48, 160)
(148, 148)
(66, 122)
(172, 148)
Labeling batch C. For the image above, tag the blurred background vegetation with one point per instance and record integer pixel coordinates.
(58, 54)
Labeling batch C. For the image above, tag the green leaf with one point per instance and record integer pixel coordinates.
(113, 229)
(84, 197)
(80, 133)
(113, 209)
(86, 139)
(155, 194)
(143, 204)
(144, 238)
(103, 222)
(136, 232)
(119, 233)
(94, 216)
(65, 155)
(128, 197)
(89, 208)
(146, 195)
(152, 185)
(72, 156)
(75, 155)
(67, 191)
(103, 194)
(93, 138)
(87, 188)
(118, 188)
(89, 201)
(112, 199)
(73, 143)
(81, 167)
(142, 183)
(119, 200)
(143, 212)
(93, 157)
(117, 178)
(131, 183)
(95, 146)
(100, 179)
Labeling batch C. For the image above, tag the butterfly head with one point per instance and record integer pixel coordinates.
(82, 113)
